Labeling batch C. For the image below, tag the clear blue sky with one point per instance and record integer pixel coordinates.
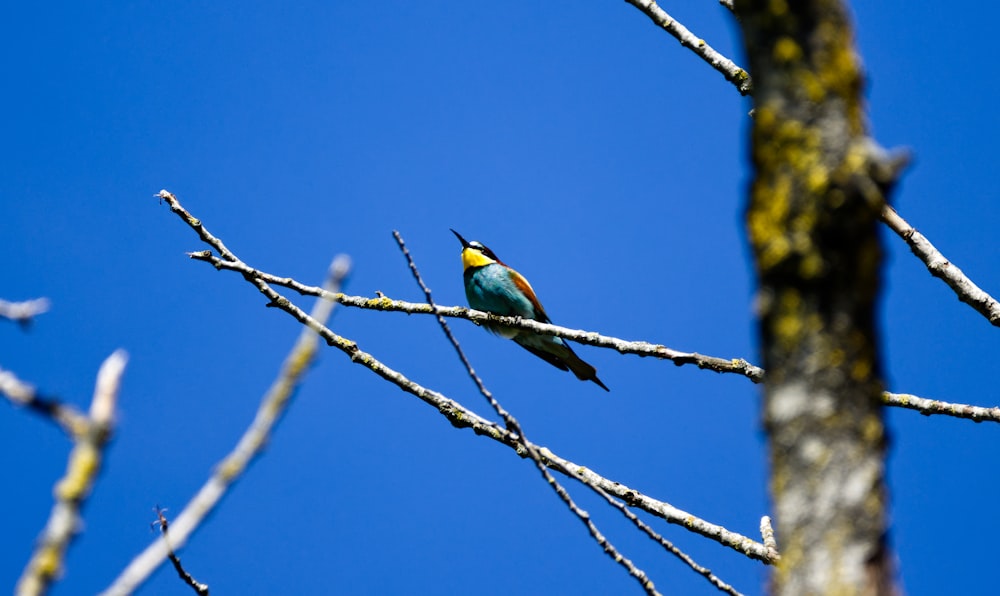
(583, 145)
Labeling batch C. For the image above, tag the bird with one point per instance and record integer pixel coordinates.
(492, 286)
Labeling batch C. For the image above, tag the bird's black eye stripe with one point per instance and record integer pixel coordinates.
(478, 246)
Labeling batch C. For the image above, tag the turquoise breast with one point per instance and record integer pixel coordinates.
(490, 288)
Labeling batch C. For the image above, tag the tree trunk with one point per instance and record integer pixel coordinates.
(819, 185)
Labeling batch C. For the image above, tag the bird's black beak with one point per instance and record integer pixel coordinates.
(460, 239)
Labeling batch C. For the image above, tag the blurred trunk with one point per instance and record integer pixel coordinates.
(812, 220)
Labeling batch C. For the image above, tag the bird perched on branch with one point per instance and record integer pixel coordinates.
(492, 286)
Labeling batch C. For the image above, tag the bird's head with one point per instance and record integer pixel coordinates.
(474, 254)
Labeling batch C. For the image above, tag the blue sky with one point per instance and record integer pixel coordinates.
(588, 150)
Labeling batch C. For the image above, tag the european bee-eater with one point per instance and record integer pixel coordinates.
(492, 286)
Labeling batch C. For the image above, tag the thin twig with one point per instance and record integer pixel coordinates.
(72, 490)
(669, 546)
(162, 521)
(940, 267)
(461, 417)
(767, 535)
(530, 448)
(733, 73)
(665, 511)
(23, 313)
(511, 423)
(71, 420)
(272, 407)
(928, 407)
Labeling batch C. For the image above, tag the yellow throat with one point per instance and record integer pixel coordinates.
(473, 258)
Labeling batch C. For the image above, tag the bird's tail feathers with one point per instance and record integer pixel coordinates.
(584, 371)
(567, 360)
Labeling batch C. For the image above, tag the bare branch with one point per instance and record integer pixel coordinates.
(198, 587)
(942, 268)
(733, 73)
(928, 407)
(72, 490)
(721, 365)
(530, 448)
(270, 411)
(666, 544)
(461, 417)
(23, 313)
(71, 420)
(767, 534)
(383, 303)
(661, 509)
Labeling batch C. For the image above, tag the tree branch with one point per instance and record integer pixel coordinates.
(967, 291)
(737, 366)
(767, 534)
(198, 587)
(928, 407)
(528, 447)
(269, 413)
(71, 420)
(461, 417)
(72, 490)
(942, 268)
(640, 348)
(733, 73)
(23, 313)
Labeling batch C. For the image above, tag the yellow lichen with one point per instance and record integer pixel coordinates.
(814, 87)
(787, 50)
(788, 322)
(817, 179)
(765, 117)
(82, 468)
(872, 429)
(790, 130)
(811, 266)
(49, 562)
(778, 7)
(230, 468)
(787, 328)
(862, 369)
